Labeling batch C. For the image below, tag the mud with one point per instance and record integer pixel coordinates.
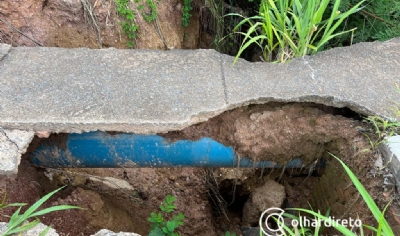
(279, 132)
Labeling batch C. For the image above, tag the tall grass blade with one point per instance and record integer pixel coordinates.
(23, 227)
(54, 208)
(387, 231)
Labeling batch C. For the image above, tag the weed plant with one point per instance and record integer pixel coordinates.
(285, 29)
(378, 20)
(19, 222)
(383, 227)
(152, 15)
(214, 22)
(228, 233)
(160, 225)
(187, 7)
(129, 26)
(383, 129)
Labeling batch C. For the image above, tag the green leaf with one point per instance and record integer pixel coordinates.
(248, 43)
(171, 225)
(4, 200)
(14, 218)
(37, 204)
(45, 231)
(23, 228)
(165, 230)
(387, 231)
(156, 232)
(54, 208)
(13, 205)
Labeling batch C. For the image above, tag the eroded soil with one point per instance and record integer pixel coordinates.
(213, 200)
(115, 208)
(60, 23)
(279, 132)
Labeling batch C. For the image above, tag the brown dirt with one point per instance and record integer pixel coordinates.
(213, 200)
(281, 132)
(114, 209)
(59, 23)
(278, 132)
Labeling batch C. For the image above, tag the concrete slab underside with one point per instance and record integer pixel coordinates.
(144, 91)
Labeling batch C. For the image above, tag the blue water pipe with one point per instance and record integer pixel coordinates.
(104, 150)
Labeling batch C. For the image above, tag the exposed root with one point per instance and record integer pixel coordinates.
(216, 197)
(20, 32)
(90, 17)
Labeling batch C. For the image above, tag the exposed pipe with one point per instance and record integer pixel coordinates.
(100, 149)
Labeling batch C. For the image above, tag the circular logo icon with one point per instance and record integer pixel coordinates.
(276, 213)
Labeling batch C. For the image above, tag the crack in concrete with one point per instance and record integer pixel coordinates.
(223, 80)
(4, 50)
(8, 138)
(311, 68)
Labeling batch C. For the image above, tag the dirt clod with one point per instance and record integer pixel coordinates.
(271, 194)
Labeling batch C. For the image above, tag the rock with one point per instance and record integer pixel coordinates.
(105, 232)
(271, 194)
(113, 183)
(35, 231)
(41, 227)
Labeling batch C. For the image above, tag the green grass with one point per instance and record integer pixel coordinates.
(378, 20)
(383, 129)
(19, 222)
(286, 29)
(383, 227)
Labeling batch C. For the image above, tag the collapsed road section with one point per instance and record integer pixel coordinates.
(70, 91)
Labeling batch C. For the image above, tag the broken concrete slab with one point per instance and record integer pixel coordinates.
(13, 143)
(361, 77)
(391, 154)
(75, 90)
(265, 82)
(144, 91)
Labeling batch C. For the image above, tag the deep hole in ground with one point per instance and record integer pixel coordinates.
(216, 200)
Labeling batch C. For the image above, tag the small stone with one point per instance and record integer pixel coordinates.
(105, 232)
(271, 194)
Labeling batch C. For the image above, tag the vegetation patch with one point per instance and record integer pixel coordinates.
(129, 26)
(164, 224)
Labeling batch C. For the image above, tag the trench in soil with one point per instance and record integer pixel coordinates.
(216, 200)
